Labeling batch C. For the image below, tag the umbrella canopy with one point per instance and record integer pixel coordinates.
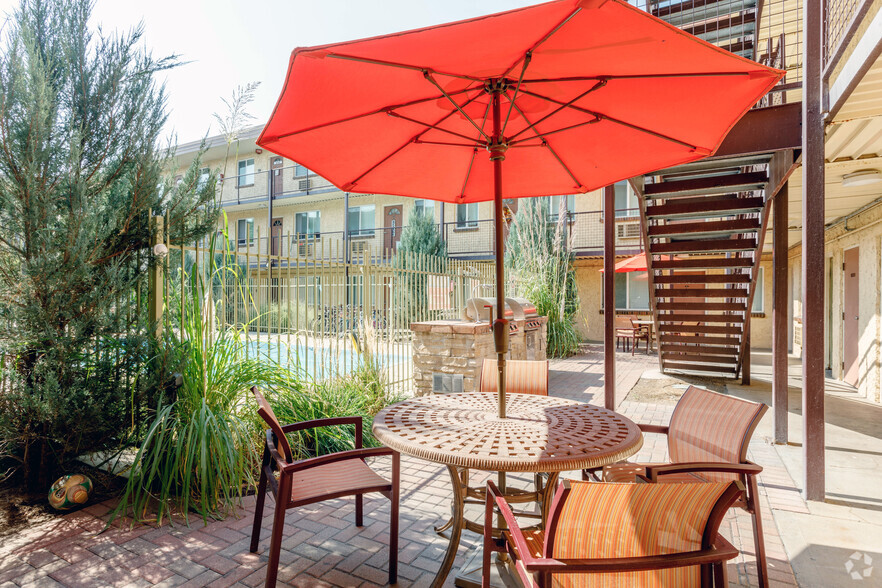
(637, 263)
(573, 95)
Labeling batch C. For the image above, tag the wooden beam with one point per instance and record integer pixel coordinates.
(708, 185)
(813, 253)
(763, 130)
(609, 297)
(702, 263)
(708, 208)
(703, 246)
(779, 316)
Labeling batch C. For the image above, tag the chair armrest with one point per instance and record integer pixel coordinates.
(494, 496)
(660, 429)
(721, 551)
(745, 469)
(312, 462)
(316, 423)
(281, 462)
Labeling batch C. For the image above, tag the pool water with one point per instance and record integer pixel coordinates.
(320, 361)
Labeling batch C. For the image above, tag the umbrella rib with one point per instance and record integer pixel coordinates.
(465, 181)
(432, 81)
(597, 86)
(366, 114)
(550, 148)
(412, 140)
(527, 58)
(445, 143)
(435, 126)
(546, 133)
(614, 120)
(545, 38)
(403, 66)
(712, 74)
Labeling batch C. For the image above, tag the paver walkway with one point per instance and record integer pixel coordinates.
(322, 547)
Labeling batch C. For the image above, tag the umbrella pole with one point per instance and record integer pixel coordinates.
(500, 325)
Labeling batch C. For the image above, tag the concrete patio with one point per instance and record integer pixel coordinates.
(808, 544)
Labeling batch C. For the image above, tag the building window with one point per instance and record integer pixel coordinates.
(758, 295)
(300, 171)
(467, 215)
(554, 206)
(204, 174)
(246, 173)
(632, 291)
(361, 220)
(307, 224)
(245, 232)
(626, 200)
(426, 207)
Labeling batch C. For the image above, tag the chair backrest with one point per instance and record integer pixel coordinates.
(623, 322)
(599, 521)
(266, 413)
(522, 376)
(711, 427)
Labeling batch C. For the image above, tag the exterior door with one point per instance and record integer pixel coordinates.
(391, 227)
(850, 316)
(278, 177)
(277, 237)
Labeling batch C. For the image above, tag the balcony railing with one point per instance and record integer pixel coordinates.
(285, 182)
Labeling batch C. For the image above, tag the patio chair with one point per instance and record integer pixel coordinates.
(629, 333)
(317, 479)
(619, 535)
(521, 376)
(707, 442)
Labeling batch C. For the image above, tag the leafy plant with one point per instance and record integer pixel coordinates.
(420, 252)
(539, 263)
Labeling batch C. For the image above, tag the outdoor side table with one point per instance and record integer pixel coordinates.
(539, 434)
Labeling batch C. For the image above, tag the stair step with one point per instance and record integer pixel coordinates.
(725, 184)
(702, 279)
(711, 164)
(695, 339)
(690, 11)
(698, 358)
(708, 207)
(702, 329)
(691, 367)
(702, 262)
(701, 349)
(704, 318)
(705, 228)
(702, 306)
(700, 293)
(704, 246)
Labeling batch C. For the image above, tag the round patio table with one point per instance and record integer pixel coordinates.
(539, 434)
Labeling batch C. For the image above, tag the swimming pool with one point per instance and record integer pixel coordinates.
(320, 362)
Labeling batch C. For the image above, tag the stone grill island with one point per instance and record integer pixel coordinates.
(447, 354)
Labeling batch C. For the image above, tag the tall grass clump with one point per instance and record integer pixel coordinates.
(199, 452)
(539, 262)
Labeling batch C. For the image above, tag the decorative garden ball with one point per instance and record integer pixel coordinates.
(69, 491)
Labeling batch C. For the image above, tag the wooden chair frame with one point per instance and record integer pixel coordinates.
(711, 557)
(278, 457)
(746, 470)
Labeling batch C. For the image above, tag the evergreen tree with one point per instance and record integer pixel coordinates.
(81, 172)
(420, 250)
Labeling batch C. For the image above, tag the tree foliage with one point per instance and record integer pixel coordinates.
(420, 252)
(81, 172)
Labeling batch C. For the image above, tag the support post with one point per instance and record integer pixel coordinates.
(745, 361)
(346, 249)
(609, 297)
(500, 325)
(779, 315)
(269, 220)
(813, 252)
(156, 282)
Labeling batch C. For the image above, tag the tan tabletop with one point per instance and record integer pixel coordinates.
(539, 433)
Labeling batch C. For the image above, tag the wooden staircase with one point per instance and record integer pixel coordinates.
(704, 224)
(728, 24)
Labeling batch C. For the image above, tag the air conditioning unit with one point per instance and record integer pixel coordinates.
(358, 247)
(304, 185)
(306, 249)
(446, 383)
(628, 230)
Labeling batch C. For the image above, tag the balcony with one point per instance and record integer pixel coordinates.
(284, 182)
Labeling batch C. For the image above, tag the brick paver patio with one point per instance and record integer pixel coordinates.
(322, 547)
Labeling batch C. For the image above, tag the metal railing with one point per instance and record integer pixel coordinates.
(284, 182)
(841, 19)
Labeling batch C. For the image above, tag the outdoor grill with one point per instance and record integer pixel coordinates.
(476, 309)
(524, 310)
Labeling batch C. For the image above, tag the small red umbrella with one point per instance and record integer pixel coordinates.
(573, 95)
(636, 263)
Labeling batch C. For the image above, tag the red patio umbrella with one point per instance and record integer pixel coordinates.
(571, 95)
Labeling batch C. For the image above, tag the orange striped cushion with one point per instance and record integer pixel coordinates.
(633, 520)
(707, 426)
(521, 376)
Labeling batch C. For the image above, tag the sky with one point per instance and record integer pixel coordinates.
(229, 43)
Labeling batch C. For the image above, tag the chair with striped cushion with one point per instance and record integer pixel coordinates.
(522, 376)
(707, 442)
(619, 535)
(306, 481)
